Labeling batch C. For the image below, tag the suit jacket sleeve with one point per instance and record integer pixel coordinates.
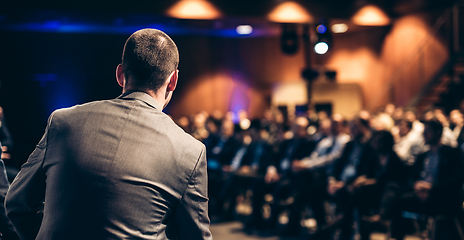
(191, 215)
(25, 198)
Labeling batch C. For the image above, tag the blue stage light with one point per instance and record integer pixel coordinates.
(321, 28)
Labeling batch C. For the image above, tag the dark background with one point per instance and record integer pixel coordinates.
(42, 72)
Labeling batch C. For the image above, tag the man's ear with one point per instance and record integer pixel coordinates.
(120, 76)
(172, 81)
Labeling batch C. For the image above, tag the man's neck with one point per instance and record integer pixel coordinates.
(159, 98)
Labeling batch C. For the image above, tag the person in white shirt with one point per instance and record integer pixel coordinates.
(409, 143)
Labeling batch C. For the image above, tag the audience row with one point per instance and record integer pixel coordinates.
(373, 168)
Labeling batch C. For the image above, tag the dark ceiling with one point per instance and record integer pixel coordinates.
(244, 8)
(124, 16)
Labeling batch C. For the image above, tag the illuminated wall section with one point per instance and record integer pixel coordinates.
(361, 66)
(241, 75)
(377, 60)
(408, 68)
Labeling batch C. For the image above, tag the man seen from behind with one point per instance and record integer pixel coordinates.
(119, 168)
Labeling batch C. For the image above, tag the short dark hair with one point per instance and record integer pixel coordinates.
(435, 125)
(363, 121)
(148, 58)
(383, 141)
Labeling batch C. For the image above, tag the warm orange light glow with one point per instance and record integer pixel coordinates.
(371, 15)
(290, 12)
(194, 9)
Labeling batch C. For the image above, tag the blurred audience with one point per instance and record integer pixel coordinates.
(409, 143)
(364, 172)
(353, 170)
(280, 180)
(318, 165)
(434, 184)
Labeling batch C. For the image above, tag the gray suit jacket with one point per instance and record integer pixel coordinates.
(112, 169)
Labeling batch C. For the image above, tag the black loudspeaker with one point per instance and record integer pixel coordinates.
(289, 39)
(309, 74)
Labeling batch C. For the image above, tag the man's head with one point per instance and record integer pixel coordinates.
(227, 129)
(359, 127)
(456, 118)
(338, 124)
(149, 63)
(299, 127)
(405, 126)
(255, 129)
(433, 130)
(325, 126)
(382, 141)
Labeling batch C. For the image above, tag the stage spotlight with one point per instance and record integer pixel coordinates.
(321, 29)
(244, 29)
(321, 48)
(339, 28)
(324, 38)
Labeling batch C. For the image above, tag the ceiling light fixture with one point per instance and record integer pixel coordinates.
(194, 9)
(290, 12)
(371, 15)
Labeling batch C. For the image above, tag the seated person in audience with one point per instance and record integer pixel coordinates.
(409, 143)
(199, 126)
(398, 115)
(280, 180)
(318, 164)
(213, 127)
(456, 124)
(258, 155)
(354, 169)
(417, 126)
(382, 121)
(228, 169)
(323, 128)
(328, 149)
(184, 123)
(225, 148)
(249, 163)
(274, 122)
(372, 200)
(218, 155)
(435, 182)
(447, 136)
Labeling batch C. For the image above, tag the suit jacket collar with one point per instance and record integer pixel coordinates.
(142, 96)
